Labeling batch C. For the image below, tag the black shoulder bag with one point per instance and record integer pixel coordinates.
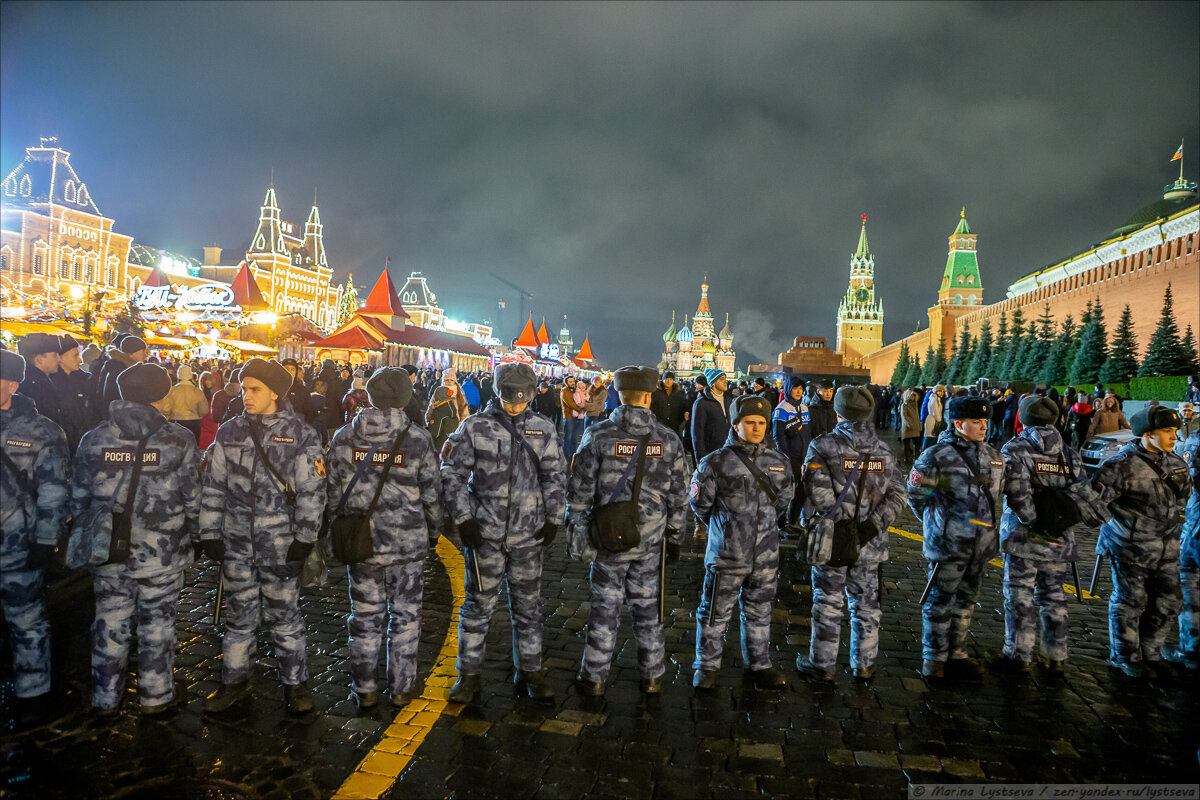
(759, 478)
(1056, 510)
(23, 482)
(980, 481)
(614, 525)
(122, 523)
(289, 492)
(352, 542)
(847, 538)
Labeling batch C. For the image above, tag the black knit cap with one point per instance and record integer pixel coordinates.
(853, 403)
(390, 388)
(270, 372)
(969, 408)
(36, 344)
(636, 379)
(1153, 418)
(131, 344)
(12, 366)
(144, 383)
(66, 344)
(1034, 411)
(748, 405)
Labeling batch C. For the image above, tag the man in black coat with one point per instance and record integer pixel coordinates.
(41, 354)
(822, 417)
(669, 403)
(710, 414)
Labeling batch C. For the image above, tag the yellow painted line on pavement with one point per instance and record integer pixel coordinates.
(379, 770)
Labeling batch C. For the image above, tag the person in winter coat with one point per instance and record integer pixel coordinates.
(42, 357)
(442, 416)
(790, 432)
(74, 392)
(1011, 406)
(932, 422)
(1108, 417)
(822, 416)
(356, 399)
(849, 475)
(710, 414)
(299, 396)
(1079, 421)
(605, 470)
(504, 483)
(955, 487)
(419, 400)
(33, 485)
(335, 390)
(450, 381)
(910, 424)
(260, 515)
(1145, 487)
(1187, 654)
(138, 569)
(386, 589)
(470, 392)
(132, 350)
(739, 492)
(669, 403)
(593, 409)
(1040, 471)
(546, 403)
(186, 403)
(573, 398)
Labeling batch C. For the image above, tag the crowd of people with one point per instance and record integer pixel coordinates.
(135, 467)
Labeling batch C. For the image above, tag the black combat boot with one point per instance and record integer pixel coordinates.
(770, 679)
(1182, 657)
(464, 689)
(227, 696)
(1011, 666)
(964, 669)
(298, 697)
(534, 684)
(812, 671)
(933, 669)
(651, 685)
(704, 680)
(401, 699)
(589, 688)
(366, 700)
(33, 711)
(865, 673)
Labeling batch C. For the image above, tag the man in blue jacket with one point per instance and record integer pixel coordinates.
(791, 432)
(710, 414)
(260, 514)
(33, 485)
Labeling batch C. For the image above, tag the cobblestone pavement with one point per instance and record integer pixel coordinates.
(847, 740)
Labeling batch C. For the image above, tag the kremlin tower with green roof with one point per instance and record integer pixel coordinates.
(961, 283)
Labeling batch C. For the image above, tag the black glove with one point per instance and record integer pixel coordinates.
(672, 551)
(214, 549)
(40, 555)
(546, 534)
(867, 531)
(471, 533)
(434, 535)
(298, 550)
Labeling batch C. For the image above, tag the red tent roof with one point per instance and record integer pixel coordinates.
(585, 352)
(527, 338)
(156, 278)
(413, 336)
(543, 337)
(351, 338)
(383, 299)
(246, 291)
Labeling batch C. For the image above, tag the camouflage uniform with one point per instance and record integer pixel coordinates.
(960, 523)
(162, 526)
(605, 454)
(489, 477)
(1035, 562)
(408, 515)
(1141, 540)
(38, 447)
(828, 468)
(244, 506)
(742, 558)
(1189, 555)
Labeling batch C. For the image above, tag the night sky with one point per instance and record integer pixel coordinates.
(606, 156)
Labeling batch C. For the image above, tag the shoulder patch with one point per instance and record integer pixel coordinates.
(1050, 468)
(776, 468)
(283, 439)
(21, 443)
(534, 432)
(914, 478)
(694, 490)
(319, 466)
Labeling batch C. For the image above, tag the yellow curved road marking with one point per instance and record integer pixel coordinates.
(379, 770)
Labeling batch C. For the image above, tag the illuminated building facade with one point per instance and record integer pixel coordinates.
(694, 348)
(860, 314)
(420, 303)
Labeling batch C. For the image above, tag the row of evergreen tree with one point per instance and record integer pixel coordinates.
(1037, 351)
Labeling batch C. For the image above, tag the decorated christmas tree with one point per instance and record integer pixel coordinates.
(349, 302)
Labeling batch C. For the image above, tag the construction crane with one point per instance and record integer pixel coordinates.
(522, 294)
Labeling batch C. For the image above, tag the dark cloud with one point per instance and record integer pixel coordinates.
(607, 156)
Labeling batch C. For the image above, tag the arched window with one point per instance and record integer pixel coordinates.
(10, 188)
(77, 270)
(5, 258)
(958, 297)
(39, 259)
(26, 186)
(82, 197)
(69, 191)
(64, 268)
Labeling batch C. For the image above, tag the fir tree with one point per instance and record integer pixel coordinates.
(1189, 346)
(902, 365)
(913, 378)
(128, 320)
(957, 368)
(1093, 348)
(1165, 356)
(1055, 370)
(982, 355)
(1016, 341)
(1073, 348)
(349, 302)
(1041, 339)
(996, 360)
(1122, 362)
(935, 365)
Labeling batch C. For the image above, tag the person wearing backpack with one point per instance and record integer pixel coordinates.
(854, 494)
(739, 491)
(135, 499)
(398, 505)
(260, 514)
(1047, 500)
(504, 483)
(33, 485)
(629, 477)
(955, 487)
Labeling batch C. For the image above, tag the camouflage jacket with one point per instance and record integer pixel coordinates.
(830, 466)
(245, 505)
(488, 476)
(605, 454)
(38, 448)
(1190, 541)
(1145, 512)
(410, 506)
(724, 494)
(1038, 459)
(959, 518)
(164, 515)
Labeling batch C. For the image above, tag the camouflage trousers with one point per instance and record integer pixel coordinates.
(1143, 602)
(831, 587)
(754, 587)
(1027, 581)
(119, 599)
(614, 582)
(272, 592)
(377, 591)
(1189, 616)
(946, 615)
(521, 569)
(23, 598)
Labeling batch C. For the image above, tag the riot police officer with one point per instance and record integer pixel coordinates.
(739, 491)
(628, 453)
(1145, 487)
(406, 520)
(260, 514)
(1187, 653)
(135, 523)
(854, 493)
(504, 483)
(33, 483)
(955, 486)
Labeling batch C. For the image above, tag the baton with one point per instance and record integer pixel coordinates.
(662, 584)
(220, 597)
(475, 569)
(712, 609)
(1078, 588)
(937, 566)
(1095, 574)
